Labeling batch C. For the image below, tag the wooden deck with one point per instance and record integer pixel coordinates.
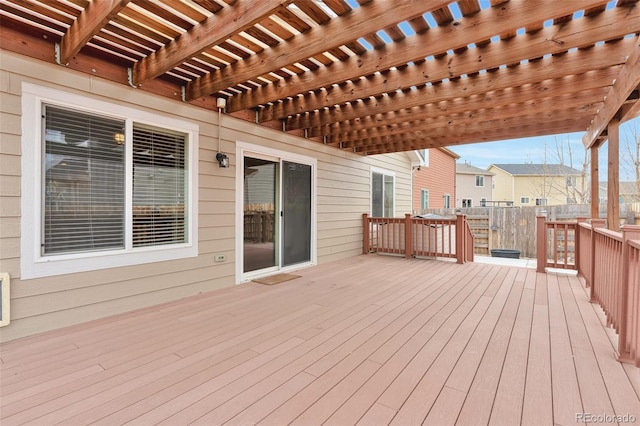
(369, 340)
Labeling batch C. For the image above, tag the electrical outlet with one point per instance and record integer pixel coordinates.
(219, 258)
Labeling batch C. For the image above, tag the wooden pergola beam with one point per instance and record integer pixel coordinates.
(385, 147)
(89, 23)
(572, 106)
(320, 39)
(212, 31)
(613, 174)
(480, 132)
(625, 83)
(573, 34)
(447, 91)
(587, 101)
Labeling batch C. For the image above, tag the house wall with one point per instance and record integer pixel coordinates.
(503, 189)
(40, 304)
(439, 178)
(513, 188)
(466, 188)
(550, 187)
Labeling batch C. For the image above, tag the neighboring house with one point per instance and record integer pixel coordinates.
(629, 192)
(434, 179)
(536, 184)
(473, 186)
(112, 198)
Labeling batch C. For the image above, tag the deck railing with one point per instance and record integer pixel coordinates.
(557, 244)
(416, 237)
(609, 262)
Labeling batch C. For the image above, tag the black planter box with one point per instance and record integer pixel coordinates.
(511, 254)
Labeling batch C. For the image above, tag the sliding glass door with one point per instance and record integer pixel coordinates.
(277, 213)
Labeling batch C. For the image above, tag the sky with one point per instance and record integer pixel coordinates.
(535, 150)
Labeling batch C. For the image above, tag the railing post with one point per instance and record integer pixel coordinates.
(629, 232)
(595, 223)
(365, 233)
(541, 243)
(408, 236)
(576, 242)
(460, 249)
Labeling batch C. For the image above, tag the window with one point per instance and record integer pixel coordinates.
(114, 187)
(424, 199)
(480, 181)
(571, 200)
(467, 202)
(571, 181)
(524, 200)
(483, 202)
(424, 157)
(541, 201)
(447, 201)
(382, 193)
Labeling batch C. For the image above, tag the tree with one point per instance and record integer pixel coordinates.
(574, 187)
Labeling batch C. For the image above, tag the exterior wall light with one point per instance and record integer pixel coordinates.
(222, 159)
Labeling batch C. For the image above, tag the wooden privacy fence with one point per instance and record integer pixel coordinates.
(609, 262)
(416, 237)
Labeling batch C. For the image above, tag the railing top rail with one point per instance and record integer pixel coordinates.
(585, 225)
(609, 233)
(634, 243)
(562, 222)
(433, 221)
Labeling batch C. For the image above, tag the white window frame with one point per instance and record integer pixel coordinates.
(479, 177)
(424, 157)
(422, 198)
(483, 202)
(540, 201)
(35, 265)
(467, 202)
(523, 198)
(446, 200)
(383, 172)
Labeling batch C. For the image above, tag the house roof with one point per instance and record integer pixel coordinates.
(537, 169)
(449, 152)
(468, 169)
(352, 75)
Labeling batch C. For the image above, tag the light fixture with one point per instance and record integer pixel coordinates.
(119, 138)
(222, 159)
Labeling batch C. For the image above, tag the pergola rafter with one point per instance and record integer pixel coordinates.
(358, 74)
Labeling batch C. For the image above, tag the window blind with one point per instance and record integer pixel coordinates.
(84, 188)
(159, 187)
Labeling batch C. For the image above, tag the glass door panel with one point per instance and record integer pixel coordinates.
(260, 220)
(296, 213)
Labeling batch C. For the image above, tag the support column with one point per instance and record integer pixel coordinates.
(613, 175)
(595, 184)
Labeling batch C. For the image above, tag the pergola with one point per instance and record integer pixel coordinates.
(374, 77)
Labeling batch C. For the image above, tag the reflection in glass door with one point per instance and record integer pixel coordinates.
(260, 220)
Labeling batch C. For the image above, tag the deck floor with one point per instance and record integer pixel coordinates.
(369, 340)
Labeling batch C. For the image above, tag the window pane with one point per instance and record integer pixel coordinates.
(83, 182)
(376, 195)
(158, 187)
(388, 196)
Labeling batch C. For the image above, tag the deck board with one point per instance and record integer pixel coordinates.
(370, 340)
